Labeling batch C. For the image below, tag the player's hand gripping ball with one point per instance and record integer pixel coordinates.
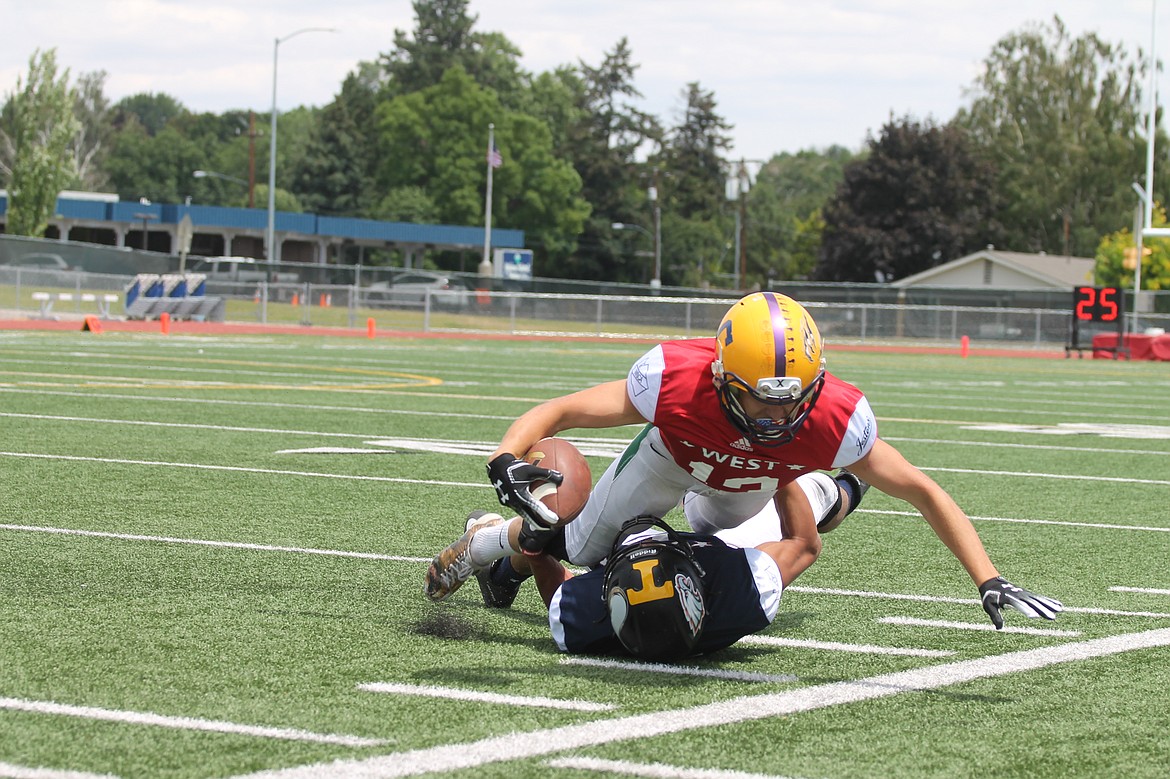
(567, 499)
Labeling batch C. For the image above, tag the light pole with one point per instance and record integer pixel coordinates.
(657, 257)
(270, 234)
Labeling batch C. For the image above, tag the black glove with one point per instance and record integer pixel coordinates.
(999, 593)
(513, 478)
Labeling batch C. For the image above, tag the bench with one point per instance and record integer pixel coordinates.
(47, 299)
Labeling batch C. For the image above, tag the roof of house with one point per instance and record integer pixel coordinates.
(1049, 269)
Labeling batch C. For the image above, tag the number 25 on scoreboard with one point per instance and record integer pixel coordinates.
(1096, 304)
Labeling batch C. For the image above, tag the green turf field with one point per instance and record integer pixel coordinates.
(211, 547)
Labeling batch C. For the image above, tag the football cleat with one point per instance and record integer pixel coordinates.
(452, 566)
(497, 595)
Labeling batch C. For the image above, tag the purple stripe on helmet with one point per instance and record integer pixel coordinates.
(779, 327)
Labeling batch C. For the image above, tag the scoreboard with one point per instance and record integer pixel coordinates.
(1097, 304)
(1093, 307)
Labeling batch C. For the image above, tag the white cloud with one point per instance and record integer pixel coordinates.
(789, 74)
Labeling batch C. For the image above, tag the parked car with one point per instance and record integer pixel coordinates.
(40, 268)
(41, 261)
(412, 288)
(242, 269)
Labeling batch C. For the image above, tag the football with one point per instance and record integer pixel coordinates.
(566, 500)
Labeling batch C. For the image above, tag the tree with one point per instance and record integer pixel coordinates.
(782, 231)
(444, 38)
(38, 126)
(332, 178)
(336, 175)
(1061, 119)
(152, 112)
(693, 153)
(1117, 258)
(920, 198)
(603, 145)
(436, 141)
(95, 131)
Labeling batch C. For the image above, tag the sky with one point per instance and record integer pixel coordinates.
(787, 74)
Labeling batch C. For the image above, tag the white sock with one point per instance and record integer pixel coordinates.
(489, 545)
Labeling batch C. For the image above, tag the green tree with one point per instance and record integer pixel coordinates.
(151, 112)
(693, 153)
(920, 198)
(336, 175)
(95, 130)
(155, 167)
(436, 140)
(1061, 119)
(784, 205)
(1117, 252)
(603, 146)
(39, 125)
(443, 38)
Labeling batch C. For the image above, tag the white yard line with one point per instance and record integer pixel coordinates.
(515, 746)
(650, 770)
(962, 601)
(405, 559)
(1144, 590)
(981, 626)
(224, 544)
(451, 693)
(240, 469)
(1099, 525)
(679, 670)
(184, 723)
(1062, 476)
(10, 771)
(836, 646)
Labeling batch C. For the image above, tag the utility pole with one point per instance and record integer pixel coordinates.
(251, 159)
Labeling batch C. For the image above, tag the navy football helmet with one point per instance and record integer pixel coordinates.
(653, 590)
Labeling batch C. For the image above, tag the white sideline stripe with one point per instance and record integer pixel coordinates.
(404, 559)
(478, 696)
(1034, 475)
(225, 544)
(1044, 447)
(263, 404)
(10, 771)
(962, 601)
(239, 469)
(184, 723)
(835, 646)
(516, 746)
(680, 670)
(1145, 590)
(651, 770)
(938, 623)
(1101, 525)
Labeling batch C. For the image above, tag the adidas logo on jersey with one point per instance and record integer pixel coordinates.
(742, 444)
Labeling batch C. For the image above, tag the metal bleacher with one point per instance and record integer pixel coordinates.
(179, 295)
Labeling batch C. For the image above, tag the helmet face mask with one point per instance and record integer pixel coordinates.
(654, 591)
(768, 349)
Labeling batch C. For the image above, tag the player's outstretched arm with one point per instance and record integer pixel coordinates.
(886, 469)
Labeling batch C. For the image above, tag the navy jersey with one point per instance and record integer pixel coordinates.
(742, 588)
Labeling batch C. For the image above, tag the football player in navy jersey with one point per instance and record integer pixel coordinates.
(729, 422)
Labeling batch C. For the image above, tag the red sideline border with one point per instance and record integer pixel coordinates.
(185, 327)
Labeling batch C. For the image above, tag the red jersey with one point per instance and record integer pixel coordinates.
(671, 385)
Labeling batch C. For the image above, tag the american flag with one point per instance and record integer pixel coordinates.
(493, 156)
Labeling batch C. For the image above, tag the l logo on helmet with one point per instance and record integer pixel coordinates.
(649, 590)
(810, 341)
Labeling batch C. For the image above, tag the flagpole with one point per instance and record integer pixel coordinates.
(487, 205)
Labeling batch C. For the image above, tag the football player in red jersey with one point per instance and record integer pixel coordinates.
(731, 422)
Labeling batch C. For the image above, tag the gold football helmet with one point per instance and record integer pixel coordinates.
(768, 348)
